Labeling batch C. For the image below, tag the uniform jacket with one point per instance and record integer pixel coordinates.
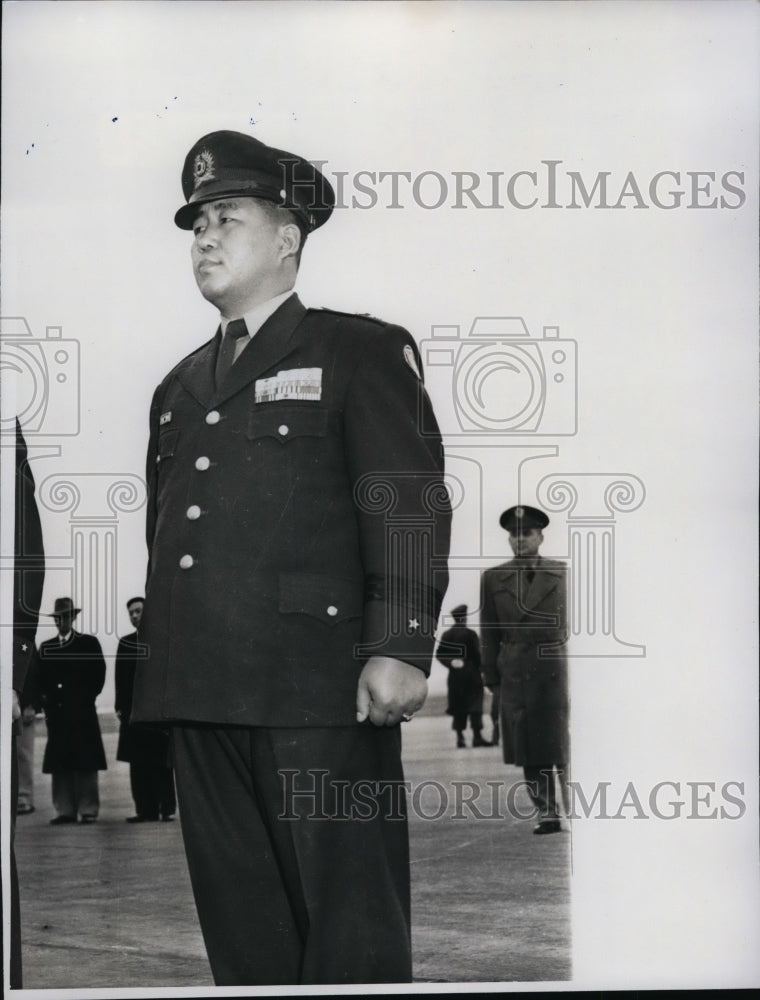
(72, 675)
(523, 631)
(307, 526)
(28, 567)
(138, 744)
(465, 683)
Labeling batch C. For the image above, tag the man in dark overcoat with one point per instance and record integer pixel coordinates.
(72, 674)
(144, 748)
(28, 581)
(459, 652)
(297, 532)
(523, 617)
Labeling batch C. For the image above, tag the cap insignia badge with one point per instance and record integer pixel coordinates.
(519, 512)
(203, 168)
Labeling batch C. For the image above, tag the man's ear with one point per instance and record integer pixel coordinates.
(290, 236)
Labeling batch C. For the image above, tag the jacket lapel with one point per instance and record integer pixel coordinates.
(513, 581)
(197, 376)
(508, 581)
(270, 344)
(543, 582)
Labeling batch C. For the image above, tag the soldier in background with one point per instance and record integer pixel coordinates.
(144, 748)
(523, 633)
(459, 652)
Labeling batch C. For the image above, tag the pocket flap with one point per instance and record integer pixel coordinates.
(287, 422)
(331, 599)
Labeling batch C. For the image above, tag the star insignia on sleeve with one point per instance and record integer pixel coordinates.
(24, 647)
(413, 624)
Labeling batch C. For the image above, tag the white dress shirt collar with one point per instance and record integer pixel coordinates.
(258, 316)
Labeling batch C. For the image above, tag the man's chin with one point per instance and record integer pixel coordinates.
(210, 290)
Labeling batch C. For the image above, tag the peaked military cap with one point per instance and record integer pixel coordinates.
(460, 609)
(523, 518)
(231, 164)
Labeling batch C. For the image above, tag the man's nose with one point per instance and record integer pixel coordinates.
(208, 238)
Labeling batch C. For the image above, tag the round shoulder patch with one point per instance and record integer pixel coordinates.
(411, 360)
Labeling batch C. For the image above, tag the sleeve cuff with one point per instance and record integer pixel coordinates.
(403, 633)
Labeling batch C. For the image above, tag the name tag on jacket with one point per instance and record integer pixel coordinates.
(298, 383)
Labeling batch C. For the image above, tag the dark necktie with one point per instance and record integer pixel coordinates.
(235, 330)
(529, 576)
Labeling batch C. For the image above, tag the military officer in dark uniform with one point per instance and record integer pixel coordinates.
(459, 652)
(72, 674)
(297, 532)
(523, 634)
(145, 748)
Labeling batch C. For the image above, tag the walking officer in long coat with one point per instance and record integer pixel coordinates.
(297, 532)
(523, 618)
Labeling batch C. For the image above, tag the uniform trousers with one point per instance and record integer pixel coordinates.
(542, 788)
(298, 852)
(76, 792)
(459, 721)
(152, 788)
(25, 752)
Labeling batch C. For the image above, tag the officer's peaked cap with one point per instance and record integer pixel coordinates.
(232, 164)
(460, 609)
(523, 518)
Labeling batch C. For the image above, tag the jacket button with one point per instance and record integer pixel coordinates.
(213, 417)
(332, 611)
(283, 429)
(186, 562)
(193, 513)
(202, 463)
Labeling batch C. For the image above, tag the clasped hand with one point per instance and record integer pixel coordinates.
(389, 690)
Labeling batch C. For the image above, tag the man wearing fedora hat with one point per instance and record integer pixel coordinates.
(286, 633)
(72, 674)
(523, 620)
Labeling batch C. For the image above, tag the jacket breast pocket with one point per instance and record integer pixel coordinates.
(286, 423)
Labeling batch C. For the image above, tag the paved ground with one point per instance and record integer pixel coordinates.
(110, 905)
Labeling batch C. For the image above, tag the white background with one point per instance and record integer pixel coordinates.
(662, 305)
